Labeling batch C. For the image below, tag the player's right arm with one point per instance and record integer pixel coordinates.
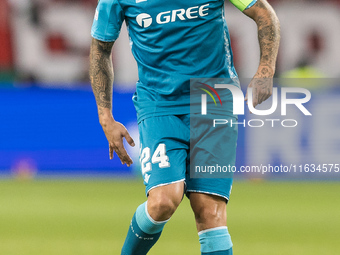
(101, 75)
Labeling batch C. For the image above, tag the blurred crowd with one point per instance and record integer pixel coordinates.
(47, 41)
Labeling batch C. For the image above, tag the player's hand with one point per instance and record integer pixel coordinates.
(262, 85)
(115, 132)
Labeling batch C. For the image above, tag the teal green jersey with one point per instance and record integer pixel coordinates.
(172, 42)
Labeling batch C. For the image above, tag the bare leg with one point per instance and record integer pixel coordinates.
(150, 217)
(211, 222)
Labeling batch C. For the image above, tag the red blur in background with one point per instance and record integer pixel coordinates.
(6, 56)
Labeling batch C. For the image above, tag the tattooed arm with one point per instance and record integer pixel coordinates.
(269, 37)
(101, 75)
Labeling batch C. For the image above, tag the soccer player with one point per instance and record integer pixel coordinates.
(172, 42)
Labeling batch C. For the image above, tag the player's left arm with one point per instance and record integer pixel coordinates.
(268, 26)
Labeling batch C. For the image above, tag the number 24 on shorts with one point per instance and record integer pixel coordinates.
(159, 156)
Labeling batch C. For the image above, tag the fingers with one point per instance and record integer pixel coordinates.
(111, 152)
(129, 139)
(115, 134)
(249, 86)
(255, 99)
(254, 94)
(261, 95)
(262, 99)
(121, 151)
(261, 90)
(264, 95)
(124, 157)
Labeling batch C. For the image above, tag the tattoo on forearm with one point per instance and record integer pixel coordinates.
(269, 38)
(101, 73)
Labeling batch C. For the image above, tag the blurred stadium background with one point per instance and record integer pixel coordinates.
(60, 193)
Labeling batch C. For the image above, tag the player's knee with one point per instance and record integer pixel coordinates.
(162, 206)
(205, 214)
(208, 208)
(162, 209)
(164, 200)
(209, 214)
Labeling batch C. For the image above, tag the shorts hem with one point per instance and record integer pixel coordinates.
(209, 193)
(162, 184)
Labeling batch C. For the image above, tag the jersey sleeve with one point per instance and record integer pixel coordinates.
(107, 21)
(243, 4)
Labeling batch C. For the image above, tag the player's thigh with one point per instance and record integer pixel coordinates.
(212, 157)
(163, 152)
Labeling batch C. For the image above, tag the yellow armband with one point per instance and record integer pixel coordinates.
(243, 4)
